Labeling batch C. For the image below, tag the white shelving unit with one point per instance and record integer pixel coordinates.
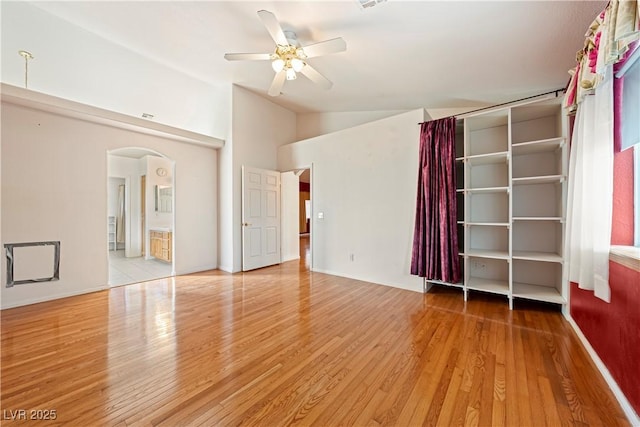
(111, 233)
(511, 171)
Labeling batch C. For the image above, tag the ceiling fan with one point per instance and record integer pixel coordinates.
(289, 57)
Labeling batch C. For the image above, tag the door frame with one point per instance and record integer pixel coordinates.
(143, 213)
(135, 181)
(311, 225)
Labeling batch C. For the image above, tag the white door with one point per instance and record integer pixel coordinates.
(260, 218)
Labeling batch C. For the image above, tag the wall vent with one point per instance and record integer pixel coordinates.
(32, 262)
(366, 4)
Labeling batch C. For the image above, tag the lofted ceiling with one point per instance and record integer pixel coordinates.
(400, 55)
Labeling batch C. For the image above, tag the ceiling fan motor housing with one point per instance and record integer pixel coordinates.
(289, 56)
(292, 39)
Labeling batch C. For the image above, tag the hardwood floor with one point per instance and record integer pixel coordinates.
(284, 346)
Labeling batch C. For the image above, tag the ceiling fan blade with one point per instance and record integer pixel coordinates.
(273, 26)
(277, 83)
(247, 56)
(313, 75)
(326, 47)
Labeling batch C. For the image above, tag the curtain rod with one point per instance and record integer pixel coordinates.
(500, 105)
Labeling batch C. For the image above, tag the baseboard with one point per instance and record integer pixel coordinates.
(613, 385)
(418, 288)
(53, 297)
(225, 268)
(198, 269)
(293, 258)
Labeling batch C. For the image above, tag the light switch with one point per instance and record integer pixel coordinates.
(320, 215)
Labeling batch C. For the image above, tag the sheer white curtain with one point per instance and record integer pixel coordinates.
(590, 198)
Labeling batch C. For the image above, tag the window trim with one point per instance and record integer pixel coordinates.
(628, 256)
(636, 196)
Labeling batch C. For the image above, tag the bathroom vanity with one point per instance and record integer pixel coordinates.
(161, 243)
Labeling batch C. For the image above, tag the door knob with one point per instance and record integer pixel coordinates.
(246, 224)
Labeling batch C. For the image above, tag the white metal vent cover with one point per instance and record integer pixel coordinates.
(365, 4)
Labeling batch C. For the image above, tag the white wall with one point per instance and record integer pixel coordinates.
(439, 113)
(54, 187)
(290, 231)
(225, 202)
(310, 125)
(364, 183)
(75, 64)
(258, 128)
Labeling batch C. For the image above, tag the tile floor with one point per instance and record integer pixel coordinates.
(123, 270)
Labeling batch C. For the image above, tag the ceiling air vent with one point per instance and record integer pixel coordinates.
(366, 4)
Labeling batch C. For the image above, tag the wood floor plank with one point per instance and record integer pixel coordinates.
(283, 345)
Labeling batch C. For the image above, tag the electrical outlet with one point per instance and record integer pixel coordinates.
(352, 257)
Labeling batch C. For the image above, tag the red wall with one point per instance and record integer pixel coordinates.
(613, 329)
(622, 225)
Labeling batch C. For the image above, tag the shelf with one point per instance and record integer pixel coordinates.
(494, 286)
(538, 293)
(547, 179)
(440, 282)
(488, 190)
(490, 224)
(537, 218)
(535, 110)
(112, 245)
(537, 256)
(540, 146)
(485, 159)
(486, 120)
(486, 253)
(513, 174)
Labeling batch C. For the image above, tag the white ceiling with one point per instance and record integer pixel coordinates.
(401, 55)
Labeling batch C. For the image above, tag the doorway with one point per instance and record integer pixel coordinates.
(140, 216)
(305, 216)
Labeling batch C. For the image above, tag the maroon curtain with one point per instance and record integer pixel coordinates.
(435, 237)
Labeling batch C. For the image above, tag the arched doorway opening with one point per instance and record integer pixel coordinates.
(140, 215)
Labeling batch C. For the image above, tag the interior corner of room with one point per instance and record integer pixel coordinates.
(146, 158)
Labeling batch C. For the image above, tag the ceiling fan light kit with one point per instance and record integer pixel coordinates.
(289, 57)
(277, 65)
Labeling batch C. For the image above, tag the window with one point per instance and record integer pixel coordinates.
(630, 101)
(629, 126)
(636, 194)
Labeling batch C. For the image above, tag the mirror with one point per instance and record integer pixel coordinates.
(164, 198)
